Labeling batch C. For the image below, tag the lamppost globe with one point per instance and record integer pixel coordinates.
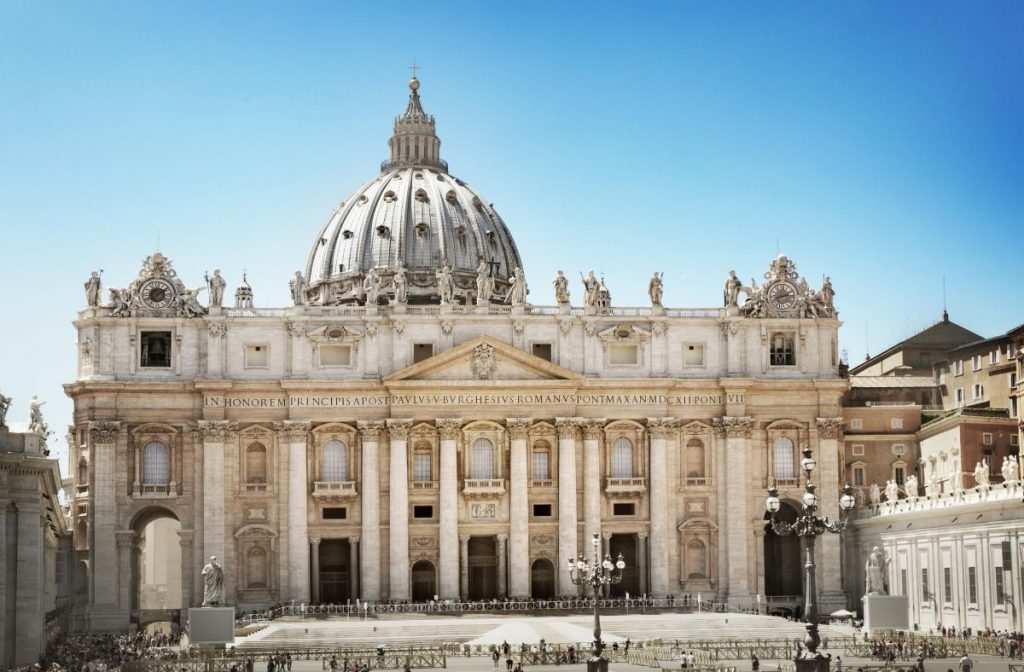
(773, 503)
(607, 564)
(846, 502)
(596, 573)
(808, 463)
(810, 499)
(620, 564)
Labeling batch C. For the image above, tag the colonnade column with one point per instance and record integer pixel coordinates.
(448, 533)
(592, 428)
(829, 433)
(295, 435)
(464, 566)
(187, 567)
(104, 614)
(314, 554)
(641, 560)
(519, 511)
(502, 564)
(567, 546)
(662, 516)
(353, 564)
(736, 431)
(369, 566)
(398, 526)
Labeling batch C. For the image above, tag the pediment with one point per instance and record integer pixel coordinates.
(484, 359)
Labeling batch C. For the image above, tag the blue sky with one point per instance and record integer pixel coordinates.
(881, 143)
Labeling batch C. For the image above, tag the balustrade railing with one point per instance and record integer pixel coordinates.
(626, 485)
(334, 489)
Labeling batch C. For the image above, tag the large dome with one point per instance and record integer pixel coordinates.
(413, 215)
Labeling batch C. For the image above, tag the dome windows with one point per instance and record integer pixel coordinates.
(346, 235)
(422, 230)
(418, 176)
(421, 196)
(451, 197)
(389, 197)
(478, 204)
(383, 231)
(362, 200)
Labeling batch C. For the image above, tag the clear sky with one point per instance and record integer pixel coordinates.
(881, 143)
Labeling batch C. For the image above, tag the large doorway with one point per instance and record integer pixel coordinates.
(626, 544)
(424, 581)
(783, 574)
(483, 568)
(542, 579)
(335, 571)
(156, 570)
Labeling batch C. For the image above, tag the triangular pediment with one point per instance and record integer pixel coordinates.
(484, 358)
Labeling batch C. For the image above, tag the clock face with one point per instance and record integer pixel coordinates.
(157, 294)
(782, 296)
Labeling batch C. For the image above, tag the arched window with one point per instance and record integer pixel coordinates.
(83, 472)
(695, 458)
(784, 457)
(156, 464)
(482, 459)
(622, 458)
(335, 462)
(256, 567)
(422, 463)
(256, 463)
(696, 560)
(541, 463)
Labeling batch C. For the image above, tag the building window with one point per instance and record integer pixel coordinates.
(695, 458)
(256, 356)
(947, 585)
(1000, 587)
(1014, 441)
(693, 354)
(1013, 409)
(542, 350)
(896, 423)
(856, 423)
(541, 462)
(993, 357)
(976, 362)
(622, 458)
(422, 463)
(903, 582)
(696, 560)
(335, 462)
(924, 583)
(899, 473)
(972, 585)
(156, 464)
(625, 354)
(156, 349)
(256, 567)
(782, 351)
(541, 510)
(423, 511)
(857, 449)
(623, 509)
(784, 457)
(335, 355)
(958, 367)
(959, 396)
(421, 352)
(899, 449)
(986, 438)
(256, 463)
(482, 459)
(335, 513)
(1013, 379)
(858, 475)
(978, 391)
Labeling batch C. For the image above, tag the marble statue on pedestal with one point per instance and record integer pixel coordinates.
(35, 416)
(981, 473)
(120, 303)
(213, 579)
(874, 572)
(401, 283)
(189, 303)
(371, 285)
(911, 486)
(5, 404)
(655, 289)
(484, 282)
(731, 294)
(874, 494)
(1011, 469)
(445, 285)
(517, 291)
(298, 289)
(892, 492)
(561, 285)
(216, 285)
(591, 287)
(92, 290)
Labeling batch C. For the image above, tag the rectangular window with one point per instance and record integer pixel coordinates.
(959, 396)
(976, 362)
(542, 350)
(896, 423)
(781, 350)
(623, 354)
(924, 583)
(623, 509)
(993, 357)
(856, 423)
(1014, 440)
(693, 354)
(421, 463)
(858, 475)
(857, 449)
(422, 351)
(972, 585)
(947, 585)
(979, 391)
(541, 465)
(1006, 550)
(335, 355)
(899, 449)
(899, 474)
(1000, 587)
(541, 510)
(335, 513)
(1013, 414)
(903, 582)
(1013, 379)
(958, 367)
(423, 511)
(256, 356)
(155, 349)
(986, 438)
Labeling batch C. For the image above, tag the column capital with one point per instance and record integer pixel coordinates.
(124, 537)
(502, 538)
(830, 428)
(592, 428)
(642, 535)
(185, 536)
(607, 536)
(104, 431)
(370, 429)
(314, 541)
(464, 539)
(662, 428)
(293, 431)
(733, 427)
(568, 427)
(399, 428)
(518, 427)
(353, 540)
(448, 427)
(216, 431)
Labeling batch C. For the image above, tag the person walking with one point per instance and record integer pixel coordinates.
(495, 656)
(966, 664)
(839, 664)
(755, 664)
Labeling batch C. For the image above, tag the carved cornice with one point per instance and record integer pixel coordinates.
(518, 428)
(733, 427)
(399, 428)
(568, 427)
(216, 430)
(449, 428)
(662, 428)
(104, 432)
(292, 431)
(370, 429)
(593, 428)
(830, 428)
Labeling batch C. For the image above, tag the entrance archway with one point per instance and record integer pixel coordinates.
(782, 555)
(626, 544)
(424, 581)
(542, 579)
(156, 568)
(335, 571)
(483, 568)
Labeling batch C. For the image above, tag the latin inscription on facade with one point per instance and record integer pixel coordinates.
(483, 511)
(469, 399)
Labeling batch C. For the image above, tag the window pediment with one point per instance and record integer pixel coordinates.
(623, 333)
(336, 333)
(255, 530)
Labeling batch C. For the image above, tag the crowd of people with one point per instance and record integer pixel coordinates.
(99, 653)
(904, 647)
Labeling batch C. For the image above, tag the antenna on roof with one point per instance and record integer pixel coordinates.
(945, 313)
(867, 350)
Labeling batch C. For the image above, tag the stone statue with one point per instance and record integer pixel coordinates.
(892, 492)
(401, 283)
(1011, 468)
(35, 416)
(120, 303)
(911, 486)
(445, 285)
(517, 291)
(298, 289)
(655, 289)
(213, 578)
(731, 294)
(827, 296)
(189, 305)
(874, 572)
(92, 290)
(216, 285)
(561, 285)
(981, 473)
(5, 404)
(484, 282)
(371, 285)
(874, 494)
(591, 287)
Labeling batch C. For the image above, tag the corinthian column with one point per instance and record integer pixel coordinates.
(519, 512)
(104, 590)
(592, 428)
(398, 546)
(214, 434)
(567, 548)
(370, 559)
(448, 533)
(296, 436)
(662, 516)
(738, 533)
(830, 432)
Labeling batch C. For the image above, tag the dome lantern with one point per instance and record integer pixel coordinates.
(415, 141)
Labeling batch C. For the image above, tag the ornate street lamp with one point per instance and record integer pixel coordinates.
(808, 526)
(596, 574)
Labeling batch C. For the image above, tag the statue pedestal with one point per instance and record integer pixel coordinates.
(657, 310)
(590, 310)
(370, 309)
(732, 311)
(818, 663)
(886, 612)
(399, 308)
(564, 309)
(298, 310)
(446, 309)
(214, 311)
(519, 309)
(211, 626)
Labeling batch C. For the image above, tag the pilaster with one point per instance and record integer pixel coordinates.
(568, 428)
(213, 434)
(296, 435)
(369, 432)
(830, 433)
(398, 500)
(519, 512)
(464, 566)
(736, 431)
(592, 430)
(662, 430)
(448, 557)
(502, 565)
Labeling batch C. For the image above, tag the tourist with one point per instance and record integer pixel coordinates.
(495, 656)
(755, 664)
(839, 664)
(966, 664)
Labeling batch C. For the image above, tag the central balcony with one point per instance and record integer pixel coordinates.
(335, 489)
(483, 487)
(636, 485)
